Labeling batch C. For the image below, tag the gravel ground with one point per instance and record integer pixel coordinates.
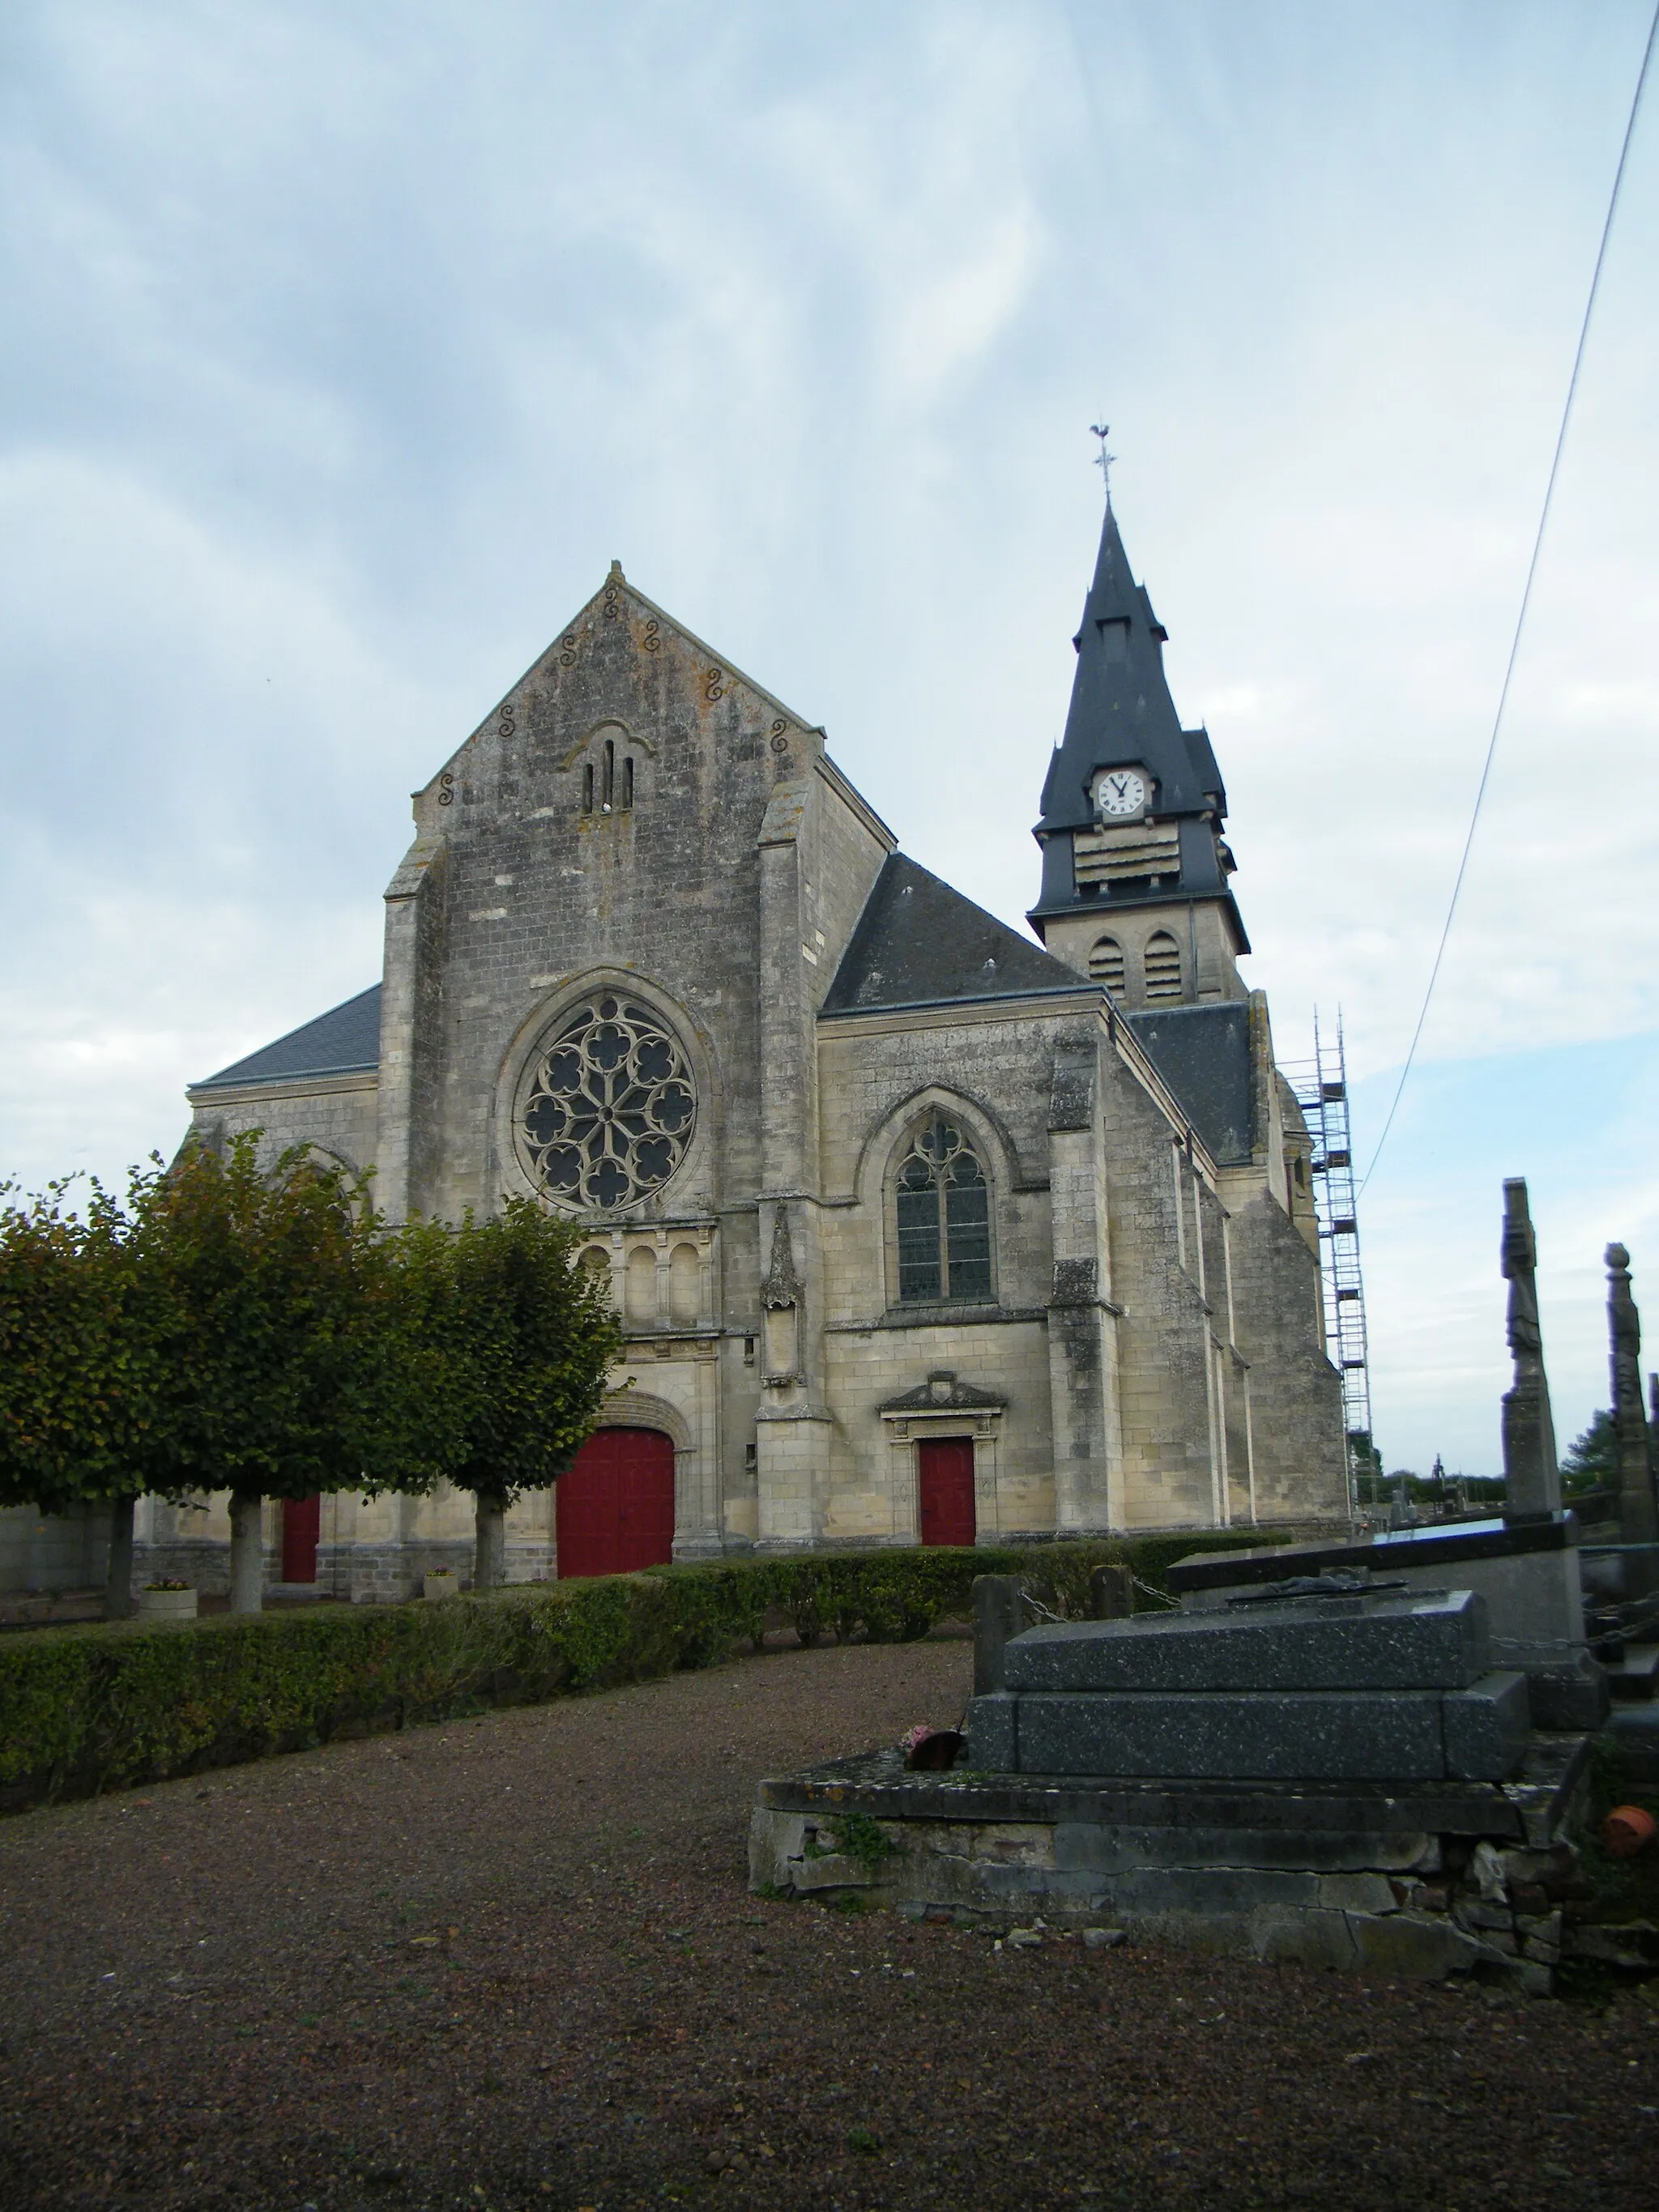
(511, 1962)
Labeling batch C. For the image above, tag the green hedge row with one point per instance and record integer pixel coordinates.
(84, 1709)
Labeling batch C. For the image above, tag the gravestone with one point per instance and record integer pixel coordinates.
(999, 1613)
(1111, 1594)
(1338, 1684)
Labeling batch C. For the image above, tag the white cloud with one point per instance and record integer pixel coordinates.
(346, 347)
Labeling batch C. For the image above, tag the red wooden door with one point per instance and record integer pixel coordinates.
(302, 1521)
(944, 1472)
(616, 1504)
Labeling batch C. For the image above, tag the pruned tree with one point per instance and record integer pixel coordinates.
(78, 1388)
(507, 1344)
(263, 1298)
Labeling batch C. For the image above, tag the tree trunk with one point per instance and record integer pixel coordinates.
(490, 1561)
(118, 1587)
(248, 1551)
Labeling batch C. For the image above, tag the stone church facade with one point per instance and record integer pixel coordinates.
(920, 1228)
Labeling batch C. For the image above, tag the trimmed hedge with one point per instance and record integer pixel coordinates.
(85, 1710)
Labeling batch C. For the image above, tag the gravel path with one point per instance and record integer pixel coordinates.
(510, 1963)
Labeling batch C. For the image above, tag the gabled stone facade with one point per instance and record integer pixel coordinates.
(830, 1130)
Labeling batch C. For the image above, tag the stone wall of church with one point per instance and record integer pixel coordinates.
(541, 887)
(878, 1076)
(53, 1551)
(1295, 1395)
(1014, 1449)
(1164, 1231)
(338, 1117)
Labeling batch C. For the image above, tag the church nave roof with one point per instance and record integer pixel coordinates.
(917, 943)
(345, 1041)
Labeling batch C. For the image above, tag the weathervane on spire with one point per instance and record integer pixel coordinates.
(1103, 461)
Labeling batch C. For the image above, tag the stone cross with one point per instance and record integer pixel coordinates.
(1638, 1513)
(1532, 1476)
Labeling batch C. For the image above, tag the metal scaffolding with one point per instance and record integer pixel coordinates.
(1321, 1091)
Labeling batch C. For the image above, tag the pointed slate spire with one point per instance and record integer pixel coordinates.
(1122, 713)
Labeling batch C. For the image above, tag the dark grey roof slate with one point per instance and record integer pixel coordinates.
(1121, 709)
(1203, 1054)
(918, 943)
(344, 1042)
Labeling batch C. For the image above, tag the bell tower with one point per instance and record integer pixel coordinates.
(1135, 868)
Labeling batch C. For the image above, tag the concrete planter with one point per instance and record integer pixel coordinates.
(167, 1604)
(441, 1585)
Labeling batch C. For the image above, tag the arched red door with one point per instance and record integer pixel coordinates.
(615, 1505)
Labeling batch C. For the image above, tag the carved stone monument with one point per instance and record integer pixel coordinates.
(1531, 1475)
(1638, 1511)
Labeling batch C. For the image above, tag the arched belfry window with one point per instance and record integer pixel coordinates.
(1162, 966)
(1106, 964)
(942, 1216)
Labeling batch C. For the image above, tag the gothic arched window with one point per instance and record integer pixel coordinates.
(942, 1216)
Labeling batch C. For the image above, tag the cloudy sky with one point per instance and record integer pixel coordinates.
(344, 348)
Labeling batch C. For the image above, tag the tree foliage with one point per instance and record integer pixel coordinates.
(1592, 1461)
(261, 1330)
(507, 1347)
(77, 1391)
(261, 1296)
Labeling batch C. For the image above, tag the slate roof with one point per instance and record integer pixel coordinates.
(1203, 1054)
(917, 943)
(346, 1041)
(1121, 707)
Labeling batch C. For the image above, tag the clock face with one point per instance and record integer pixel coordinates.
(1121, 791)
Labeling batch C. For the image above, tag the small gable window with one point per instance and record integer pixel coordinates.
(1162, 966)
(1106, 964)
(608, 783)
(942, 1216)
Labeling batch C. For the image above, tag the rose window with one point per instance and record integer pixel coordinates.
(608, 1108)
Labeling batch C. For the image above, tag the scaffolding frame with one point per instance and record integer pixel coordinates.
(1320, 1086)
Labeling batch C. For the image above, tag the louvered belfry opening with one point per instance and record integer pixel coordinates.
(1162, 966)
(1106, 964)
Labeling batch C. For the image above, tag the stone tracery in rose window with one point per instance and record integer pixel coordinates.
(610, 1107)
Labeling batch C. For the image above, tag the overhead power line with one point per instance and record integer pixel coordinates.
(1526, 594)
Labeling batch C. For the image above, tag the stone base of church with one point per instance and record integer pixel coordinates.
(369, 1568)
(688, 1550)
(357, 1573)
(203, 1561)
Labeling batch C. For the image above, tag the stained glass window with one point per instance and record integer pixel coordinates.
(609, 1108)
(943, 1217)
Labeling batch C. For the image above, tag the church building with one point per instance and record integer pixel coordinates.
(921, 1228)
